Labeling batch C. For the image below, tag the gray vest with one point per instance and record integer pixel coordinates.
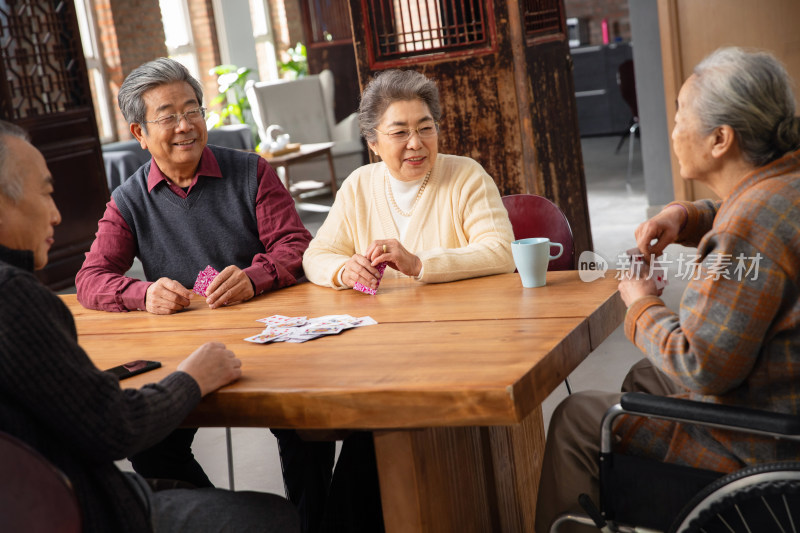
(215, 225)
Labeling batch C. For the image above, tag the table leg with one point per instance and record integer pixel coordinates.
(461, 479)
(334, 184)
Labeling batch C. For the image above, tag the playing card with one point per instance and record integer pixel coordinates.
(283, 321)
(364, 321)
(204, 279)
(369, 290)
(345, 321)
(656, 270)
(319, 329)
(264, 337)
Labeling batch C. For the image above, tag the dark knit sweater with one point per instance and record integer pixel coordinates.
(55, 399)
(220, 212)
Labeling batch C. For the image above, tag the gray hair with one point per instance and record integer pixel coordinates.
(391, 86)
(150, 75)
(751, 92)
(10, 183)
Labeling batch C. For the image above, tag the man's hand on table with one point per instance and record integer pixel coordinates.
(231, 286)
(212, 366)
(166, 296)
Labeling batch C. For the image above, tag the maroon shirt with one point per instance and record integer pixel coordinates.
(101, 282)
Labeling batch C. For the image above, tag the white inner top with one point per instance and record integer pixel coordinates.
(404, 192)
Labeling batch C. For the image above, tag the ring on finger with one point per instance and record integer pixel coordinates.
(384, 248)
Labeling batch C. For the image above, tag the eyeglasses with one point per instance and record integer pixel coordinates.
(425, 131)
(170, 121)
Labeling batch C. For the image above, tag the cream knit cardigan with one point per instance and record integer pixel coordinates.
(459, 228)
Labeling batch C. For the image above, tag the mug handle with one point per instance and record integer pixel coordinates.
(560, 250)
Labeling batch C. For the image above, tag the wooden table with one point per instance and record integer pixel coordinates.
(306, 152)
(450, 379)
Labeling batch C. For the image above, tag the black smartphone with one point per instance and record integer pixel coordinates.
(133, 368)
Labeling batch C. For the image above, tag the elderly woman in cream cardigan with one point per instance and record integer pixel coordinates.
(429, 216)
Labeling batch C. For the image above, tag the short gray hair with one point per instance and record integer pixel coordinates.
(391, 86)
(751, 92)
(10, 183)
(150, 75)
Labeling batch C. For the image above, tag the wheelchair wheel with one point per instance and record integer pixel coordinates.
(760, 498)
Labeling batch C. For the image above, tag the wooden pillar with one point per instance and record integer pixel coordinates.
(504, 73)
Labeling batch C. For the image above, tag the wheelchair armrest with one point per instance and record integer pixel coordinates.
(726, 416)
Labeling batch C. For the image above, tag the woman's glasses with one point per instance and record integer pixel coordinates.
(424, 131)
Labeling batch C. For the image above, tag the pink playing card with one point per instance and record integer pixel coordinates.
(368, 290)
(204, 279)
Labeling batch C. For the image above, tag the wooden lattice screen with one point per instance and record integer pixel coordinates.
(543, 18)
(402, 30)
(39, 60)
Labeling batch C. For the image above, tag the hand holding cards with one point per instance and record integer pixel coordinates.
(204, 279)
(300, 329)
(367, 290)
(640, 269)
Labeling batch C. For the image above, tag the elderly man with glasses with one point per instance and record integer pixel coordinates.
(190, 207)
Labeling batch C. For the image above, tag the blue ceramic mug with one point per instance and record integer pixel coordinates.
(531, 256)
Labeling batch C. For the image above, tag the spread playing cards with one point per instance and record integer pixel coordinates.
(281, 328)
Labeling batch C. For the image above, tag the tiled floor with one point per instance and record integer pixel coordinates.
(615, 209)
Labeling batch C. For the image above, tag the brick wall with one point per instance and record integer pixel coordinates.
(130, 33)
(287, 25)
(204, 32)
(616, 11)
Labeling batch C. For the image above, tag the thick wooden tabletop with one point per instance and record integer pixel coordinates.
(476, 352)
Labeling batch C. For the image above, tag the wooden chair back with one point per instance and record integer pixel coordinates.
(35, 496)
(536, 216)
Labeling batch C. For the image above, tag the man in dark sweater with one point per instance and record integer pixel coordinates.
(54, 398)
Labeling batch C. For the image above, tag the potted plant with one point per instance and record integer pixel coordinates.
(234, 107)
(297, 64)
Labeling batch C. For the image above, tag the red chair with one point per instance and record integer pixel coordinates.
(536, 216)
(35, 496)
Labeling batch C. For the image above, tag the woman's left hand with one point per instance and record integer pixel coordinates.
(395, 255)
(635, 284)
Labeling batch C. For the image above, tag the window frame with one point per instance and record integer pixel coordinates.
(486, 47)
(95, 68)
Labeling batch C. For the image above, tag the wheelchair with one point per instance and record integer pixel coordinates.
(640, 495)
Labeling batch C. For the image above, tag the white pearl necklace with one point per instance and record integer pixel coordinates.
(416, 200)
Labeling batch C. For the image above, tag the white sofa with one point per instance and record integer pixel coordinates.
(304, 109)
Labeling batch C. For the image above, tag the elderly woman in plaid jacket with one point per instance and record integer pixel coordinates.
(736, 338)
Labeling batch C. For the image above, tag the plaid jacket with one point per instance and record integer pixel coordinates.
(736, 340)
